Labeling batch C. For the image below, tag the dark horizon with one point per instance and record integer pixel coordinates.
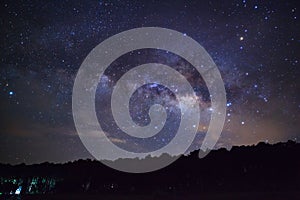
(258, 172)
(193, 152)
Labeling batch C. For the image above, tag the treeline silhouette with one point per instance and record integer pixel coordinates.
(260, 168)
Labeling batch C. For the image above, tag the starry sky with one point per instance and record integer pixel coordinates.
(255, 44)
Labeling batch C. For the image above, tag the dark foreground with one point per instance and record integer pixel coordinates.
(255, 172)
(219, 196)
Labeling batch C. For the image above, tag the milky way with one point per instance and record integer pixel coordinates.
(254, 44)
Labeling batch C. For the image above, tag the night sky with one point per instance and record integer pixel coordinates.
(255, 44)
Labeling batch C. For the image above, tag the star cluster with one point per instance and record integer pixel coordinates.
(255, 45)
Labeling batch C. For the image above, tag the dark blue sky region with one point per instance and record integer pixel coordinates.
(255, 44)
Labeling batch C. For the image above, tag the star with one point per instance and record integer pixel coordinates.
(254, 46)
